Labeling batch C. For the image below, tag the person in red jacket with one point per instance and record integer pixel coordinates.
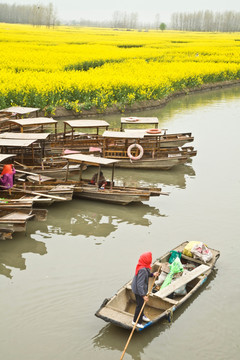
(7, 176)
(140, 286)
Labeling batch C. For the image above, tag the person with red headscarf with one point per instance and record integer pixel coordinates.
(7, 176)
(140, 286)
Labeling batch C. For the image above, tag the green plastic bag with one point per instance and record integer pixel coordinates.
(175, 268)
(174, 255)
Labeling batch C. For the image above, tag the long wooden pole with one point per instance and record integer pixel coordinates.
(134, 327)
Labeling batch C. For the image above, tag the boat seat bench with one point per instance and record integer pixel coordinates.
(163, 293)
(171, 301)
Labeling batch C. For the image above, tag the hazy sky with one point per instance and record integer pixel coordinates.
(146, 9)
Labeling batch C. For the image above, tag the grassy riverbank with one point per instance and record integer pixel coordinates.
(87, 71)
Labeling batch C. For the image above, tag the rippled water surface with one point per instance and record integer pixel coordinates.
(54, 277)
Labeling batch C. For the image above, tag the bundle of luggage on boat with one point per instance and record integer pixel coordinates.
(173, 269)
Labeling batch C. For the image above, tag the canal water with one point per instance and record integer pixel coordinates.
(54, 277)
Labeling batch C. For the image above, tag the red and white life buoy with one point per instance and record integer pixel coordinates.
(132, 119)
(140, 152)
(154, 131)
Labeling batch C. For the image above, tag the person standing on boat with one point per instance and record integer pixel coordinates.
(140, 286)
(7, 176)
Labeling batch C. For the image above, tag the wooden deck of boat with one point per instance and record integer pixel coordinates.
(16, 216)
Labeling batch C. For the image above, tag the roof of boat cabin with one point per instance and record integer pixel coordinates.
(6, 156)
(139, 120)
(24, 136)
(83, 123)
(90, 159)
(16, 143)
(33, 121)
(123, 135)
(20, 110)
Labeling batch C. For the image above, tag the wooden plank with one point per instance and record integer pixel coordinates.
(162, 293)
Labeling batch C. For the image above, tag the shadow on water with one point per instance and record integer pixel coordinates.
(11, 253)
(112, 337)
(90, 218)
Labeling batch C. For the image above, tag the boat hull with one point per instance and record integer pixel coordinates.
(119, 309)
(111, 196)
(165, 163)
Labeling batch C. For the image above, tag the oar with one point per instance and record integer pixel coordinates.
(40, 194)
(134, 327)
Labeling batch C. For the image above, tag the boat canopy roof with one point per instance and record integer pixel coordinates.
(139, 120)
(16, 143)
(24, 136)
(86, 123)
(6, 156)
(123, 135)
(33, 121)
(20, 110)
(89, 159)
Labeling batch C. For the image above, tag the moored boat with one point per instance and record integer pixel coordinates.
(137, 152)
(119, 309)
(110, 193)
(15, 220)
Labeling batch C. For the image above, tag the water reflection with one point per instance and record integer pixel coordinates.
(11, 253)
(91, 218)
(114, 338)
(175, 177)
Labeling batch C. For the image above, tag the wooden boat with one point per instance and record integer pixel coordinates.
(19, 199)
(135, 152)
(115, 145)
(16, 220)
(56, 168)
(34, 183)
(84, 142)
(111, 193)
(166, 140)
(57, 192)
(29, 149)
(119, 309)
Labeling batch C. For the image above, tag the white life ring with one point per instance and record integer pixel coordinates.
(140, 152)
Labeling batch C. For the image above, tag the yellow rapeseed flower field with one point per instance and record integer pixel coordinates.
(79, 68)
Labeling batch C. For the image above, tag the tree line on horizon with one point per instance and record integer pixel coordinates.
(227, 21)
(38, 15)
